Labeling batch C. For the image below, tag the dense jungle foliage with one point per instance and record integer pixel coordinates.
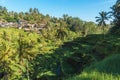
(68, 48)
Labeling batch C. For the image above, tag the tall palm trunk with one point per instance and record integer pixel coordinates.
(103, 32)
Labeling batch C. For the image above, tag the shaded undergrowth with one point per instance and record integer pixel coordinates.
(74, 56)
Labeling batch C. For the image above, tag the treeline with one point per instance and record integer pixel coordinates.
(33, 16)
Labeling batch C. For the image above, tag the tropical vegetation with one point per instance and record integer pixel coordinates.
(67, 48)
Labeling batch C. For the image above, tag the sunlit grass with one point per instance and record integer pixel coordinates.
(108, 69)
(95, 76)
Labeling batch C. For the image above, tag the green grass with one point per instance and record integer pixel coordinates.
(110, 65)
(95, 76)
(108, 69)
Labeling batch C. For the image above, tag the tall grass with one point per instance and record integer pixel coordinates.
(108, 69)
(94, 75)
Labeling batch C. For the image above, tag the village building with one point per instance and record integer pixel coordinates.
(23, 24)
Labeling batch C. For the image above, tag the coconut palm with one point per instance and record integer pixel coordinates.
(61, 33)
(116, 14)
(103, 17)
(116, 11)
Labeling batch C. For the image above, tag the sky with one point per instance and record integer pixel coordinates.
(84, 9)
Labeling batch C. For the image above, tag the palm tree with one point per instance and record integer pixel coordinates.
(30, 10)
(103, 17)
(116, 21)
(61, 33)
(65, 17)
(26, 51)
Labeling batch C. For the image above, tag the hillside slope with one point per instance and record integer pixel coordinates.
(107, 69)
